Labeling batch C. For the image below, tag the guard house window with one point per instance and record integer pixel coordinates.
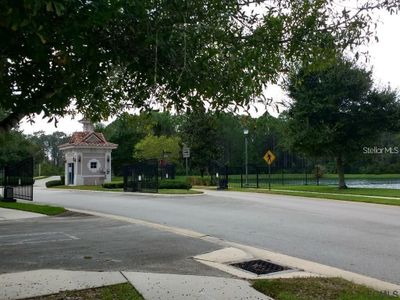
(93, 165)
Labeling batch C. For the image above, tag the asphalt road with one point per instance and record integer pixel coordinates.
(359, 237)
(97, 244)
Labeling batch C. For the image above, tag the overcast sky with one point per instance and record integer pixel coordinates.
(385, 61)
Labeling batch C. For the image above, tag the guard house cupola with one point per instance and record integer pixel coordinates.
(87, 125)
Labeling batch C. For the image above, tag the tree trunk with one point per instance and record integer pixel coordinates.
(340, 171)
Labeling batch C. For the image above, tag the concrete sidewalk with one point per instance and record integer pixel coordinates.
(13, 214)
(151, 285)
(42, 182)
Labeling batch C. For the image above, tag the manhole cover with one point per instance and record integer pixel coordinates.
(260, 267)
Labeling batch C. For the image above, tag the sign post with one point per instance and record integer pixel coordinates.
(186, 155)
(269, 157)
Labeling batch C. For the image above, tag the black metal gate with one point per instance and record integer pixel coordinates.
(167, 171)
(17, 180)
(141, 177)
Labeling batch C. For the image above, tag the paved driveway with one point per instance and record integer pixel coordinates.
(97, 244)
(359, 237)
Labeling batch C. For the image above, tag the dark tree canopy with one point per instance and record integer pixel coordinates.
(98, 57)
(337, 111)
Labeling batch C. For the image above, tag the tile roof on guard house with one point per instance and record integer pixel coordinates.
(87, 157)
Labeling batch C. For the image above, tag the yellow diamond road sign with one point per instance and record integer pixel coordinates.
(269, 157)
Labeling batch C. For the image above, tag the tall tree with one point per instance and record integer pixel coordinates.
(337, 110)
(100, 56)
(126, 131)
(158, 147)
(49, 144)
(14, 146)
(199, 131)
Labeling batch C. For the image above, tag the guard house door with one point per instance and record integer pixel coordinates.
(70, 173)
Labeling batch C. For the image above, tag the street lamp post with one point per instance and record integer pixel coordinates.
(246, 132)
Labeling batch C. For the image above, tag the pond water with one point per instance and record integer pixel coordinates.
(368, 183)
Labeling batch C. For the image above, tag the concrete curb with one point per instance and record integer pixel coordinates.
(131, 193)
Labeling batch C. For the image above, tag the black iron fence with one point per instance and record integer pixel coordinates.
(261, 177)
(141, 177)
(17, 180)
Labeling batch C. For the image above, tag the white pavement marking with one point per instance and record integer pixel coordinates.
(13, 214)
(45, 282)
(35, 238)
(286, 260)
(168, 286)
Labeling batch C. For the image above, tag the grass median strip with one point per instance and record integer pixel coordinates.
(377, 196)
(318, 289)
(119, 291)
(36, 208)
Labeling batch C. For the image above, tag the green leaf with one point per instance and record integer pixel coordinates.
(59, 8)
(41, 37)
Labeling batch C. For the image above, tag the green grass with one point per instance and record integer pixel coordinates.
(40, 177)
(36, 208)
(123, 291)
(178, 191)
(317, 289)
(348, 195)
(100, 188)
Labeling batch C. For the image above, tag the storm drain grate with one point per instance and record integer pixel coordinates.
(260, 267)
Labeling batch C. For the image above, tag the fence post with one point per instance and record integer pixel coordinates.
(241, 178)
(257, 176)
(306, 176)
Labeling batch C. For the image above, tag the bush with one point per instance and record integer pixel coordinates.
(174, 184)
(48, 169)
(62, 179)
(54, 183)
(113, 185)
(196, 180)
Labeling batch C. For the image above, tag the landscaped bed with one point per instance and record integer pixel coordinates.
(118, 291)
(169, 186)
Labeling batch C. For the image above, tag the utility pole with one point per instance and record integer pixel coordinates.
(246, 132)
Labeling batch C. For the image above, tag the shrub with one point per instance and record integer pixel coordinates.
(196, 180)
(174, 184)
(113, 185)
(53, 183)
(62, 179)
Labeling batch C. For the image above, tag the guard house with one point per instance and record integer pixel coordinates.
(87, 157)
